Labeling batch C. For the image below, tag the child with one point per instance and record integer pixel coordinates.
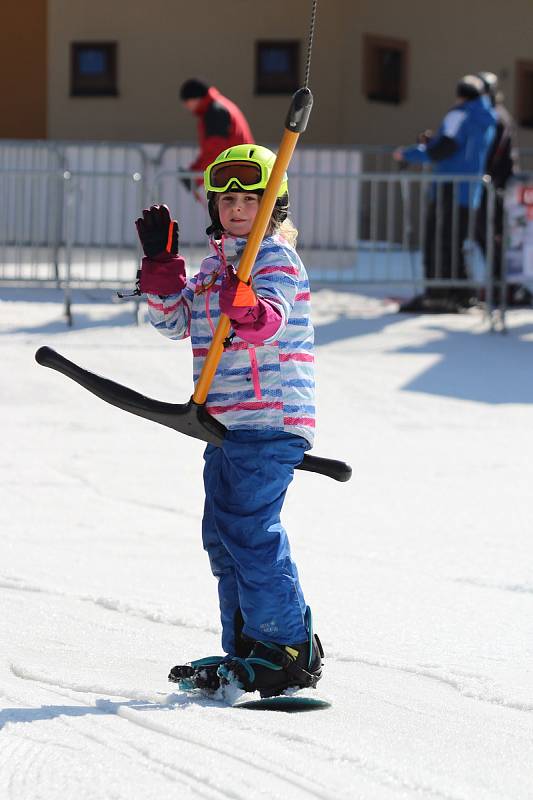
(263, 392)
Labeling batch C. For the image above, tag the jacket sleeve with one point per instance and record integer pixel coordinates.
(217, 121)
(438, 149)
(444, 144)
(277, 284)
(451, 136)
(171, 315)
(442, 148)
(418, 154)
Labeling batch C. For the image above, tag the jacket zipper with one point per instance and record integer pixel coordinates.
(255, 372)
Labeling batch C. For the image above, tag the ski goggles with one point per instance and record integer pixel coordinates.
(248, 175)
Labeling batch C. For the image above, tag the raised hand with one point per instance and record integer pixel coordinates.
(157, 231)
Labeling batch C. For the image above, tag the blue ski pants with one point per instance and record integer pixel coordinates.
(245, 485)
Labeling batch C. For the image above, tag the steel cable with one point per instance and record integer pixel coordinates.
(310, 43)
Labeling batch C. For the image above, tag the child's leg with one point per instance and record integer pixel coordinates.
(222, 564)
(256, 469)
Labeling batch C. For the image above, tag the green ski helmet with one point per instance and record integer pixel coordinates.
(243, 168)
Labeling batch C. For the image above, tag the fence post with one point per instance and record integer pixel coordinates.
(489, 258)
(503, 266)
(69, 195)
(58, 206)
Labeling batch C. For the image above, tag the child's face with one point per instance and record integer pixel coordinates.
(237, 212)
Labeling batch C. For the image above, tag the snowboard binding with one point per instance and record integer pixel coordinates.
(272, 668)
(200, 674)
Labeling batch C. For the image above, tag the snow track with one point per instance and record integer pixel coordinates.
(263, 766)
(418, 571)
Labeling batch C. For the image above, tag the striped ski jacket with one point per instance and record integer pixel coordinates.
(256, 387)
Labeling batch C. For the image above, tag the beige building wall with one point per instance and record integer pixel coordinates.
(163, 42)
(446, 40)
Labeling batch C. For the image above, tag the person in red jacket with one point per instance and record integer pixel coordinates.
(221, 124)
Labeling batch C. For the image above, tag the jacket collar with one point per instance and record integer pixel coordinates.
(238, 243)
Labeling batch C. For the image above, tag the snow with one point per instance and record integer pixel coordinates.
(418, 571)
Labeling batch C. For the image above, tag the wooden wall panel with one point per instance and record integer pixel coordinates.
(23, 70)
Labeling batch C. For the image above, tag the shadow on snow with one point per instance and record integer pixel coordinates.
(474, 365)
(481, 367)
(102, 707)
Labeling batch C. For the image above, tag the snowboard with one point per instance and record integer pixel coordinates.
(293, 700)
(289, 703)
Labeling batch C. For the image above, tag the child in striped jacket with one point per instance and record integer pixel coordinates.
(263, 392)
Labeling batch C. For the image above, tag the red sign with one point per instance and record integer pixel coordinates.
(525, 197)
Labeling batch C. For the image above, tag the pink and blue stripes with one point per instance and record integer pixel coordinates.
(267, 386)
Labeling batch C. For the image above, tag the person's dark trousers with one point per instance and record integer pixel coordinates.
(481, 233)
(445, 234)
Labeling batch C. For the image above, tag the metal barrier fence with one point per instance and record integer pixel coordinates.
(373, 229)
(67, 212)
(50, 222)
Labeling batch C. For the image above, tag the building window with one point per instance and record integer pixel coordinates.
(524, 93)
(93, 71)
(384, 69)
(277, 67)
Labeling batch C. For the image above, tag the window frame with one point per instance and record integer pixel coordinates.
(523, 106)
(109, 81)
(370, 79)
(285, 86)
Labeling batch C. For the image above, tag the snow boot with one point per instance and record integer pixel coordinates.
(203, 673)
(272, 668)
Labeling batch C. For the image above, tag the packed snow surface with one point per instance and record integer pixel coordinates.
(419, 571)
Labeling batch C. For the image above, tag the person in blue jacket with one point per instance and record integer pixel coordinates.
(460, 147)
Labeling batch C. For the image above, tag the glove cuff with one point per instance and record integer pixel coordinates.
(263, 324)
(163, 274)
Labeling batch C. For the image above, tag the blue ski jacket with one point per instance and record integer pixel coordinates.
(460, 146)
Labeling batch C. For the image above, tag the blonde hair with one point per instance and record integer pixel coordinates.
(286, 229)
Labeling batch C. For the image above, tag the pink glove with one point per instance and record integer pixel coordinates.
(253, 318)
(163, 274)
(237, 299)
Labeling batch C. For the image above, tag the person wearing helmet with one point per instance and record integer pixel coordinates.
(459, 147)
(263, 392)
